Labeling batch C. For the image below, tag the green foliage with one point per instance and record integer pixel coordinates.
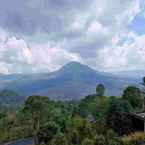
(87, 141)
(102, 104)
(93, 107)
(87, 106)
(144, 81)
(94, 120)
(74, 137)
(35, 104)
(100, 90)
(112, 138)
(46, 134)
(117, 117)
(133, 96)
(99, 140)
(137, 138)
(59, 139)
(119, 105)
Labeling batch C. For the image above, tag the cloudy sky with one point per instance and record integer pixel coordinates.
(43, 35)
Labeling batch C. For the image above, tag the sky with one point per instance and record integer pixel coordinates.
(43, 35)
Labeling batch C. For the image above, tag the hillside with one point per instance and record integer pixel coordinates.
(10, 100)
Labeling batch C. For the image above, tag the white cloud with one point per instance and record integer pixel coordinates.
(125, 17)
(17, 57)
(3, 68)
(96, 28)
(98, 36)
(50, 58)
(79, 22)
(121, 48)
(18, 51)
(128, 56)
(3, 35)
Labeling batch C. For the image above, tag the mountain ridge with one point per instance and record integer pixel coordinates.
(72, 81)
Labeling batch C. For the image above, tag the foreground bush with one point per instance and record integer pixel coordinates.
(137, 138)
(87, 142)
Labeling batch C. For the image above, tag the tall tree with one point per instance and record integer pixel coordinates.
(46, 134)
(133, 95)
(100, 90)
(35, 106)
(117, 118)
(143, 94)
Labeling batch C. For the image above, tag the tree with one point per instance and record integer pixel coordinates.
(82, 127)
(59, 139)
(144, 81)
(133, 96)
(35, 106)
(117, 118)
(3, 116)
(119, 105)
(112, 138)
(46, 134)
(119, 122)
(100, 90)
(74, 137)
(143, 94)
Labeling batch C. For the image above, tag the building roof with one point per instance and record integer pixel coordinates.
(139, 115)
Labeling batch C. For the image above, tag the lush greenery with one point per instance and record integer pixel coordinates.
(94, 120)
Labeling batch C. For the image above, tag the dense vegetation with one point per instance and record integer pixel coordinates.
(94, 120)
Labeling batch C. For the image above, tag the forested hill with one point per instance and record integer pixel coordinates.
(10, 100)
(72, 81)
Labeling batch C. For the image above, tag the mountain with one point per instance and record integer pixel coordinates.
(10, 99)
(72, 81)
(134, 74)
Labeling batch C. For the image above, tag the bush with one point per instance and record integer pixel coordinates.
(87, 142)
(100, 140)
(45, 135)
(137, 138)
(112, 138)
(59, 139)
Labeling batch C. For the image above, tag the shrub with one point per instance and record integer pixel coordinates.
(137, 138)
(100, 140)
(59, 139)
(87, 142)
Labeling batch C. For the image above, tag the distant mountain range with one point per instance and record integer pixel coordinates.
(134, 74)
(72, 81)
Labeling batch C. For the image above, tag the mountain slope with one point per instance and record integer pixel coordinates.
(134, 74)
(72, 81)
(10, 99)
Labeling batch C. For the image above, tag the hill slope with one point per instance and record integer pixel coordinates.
(10, 100)
(72, 81)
